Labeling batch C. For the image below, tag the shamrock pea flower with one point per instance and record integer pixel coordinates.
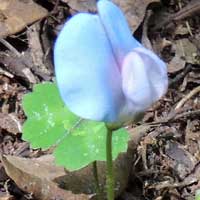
(103, 73)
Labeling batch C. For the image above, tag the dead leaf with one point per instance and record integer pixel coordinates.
(36, 177)
(37, 52)
(176, 64)
(192, 138)
(41, 177)
(16, 15)
(6, 197)
(182, 161)
(82, 5)
(133, 9)
(10, 123)
(18, 65)
(137, 133)
(181, 29)
(187, 51)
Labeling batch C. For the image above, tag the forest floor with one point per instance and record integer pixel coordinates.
(167, 160)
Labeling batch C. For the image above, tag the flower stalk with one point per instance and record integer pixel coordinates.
(110, 181)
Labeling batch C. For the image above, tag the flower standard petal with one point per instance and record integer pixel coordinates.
(87, 75)
(117, 30)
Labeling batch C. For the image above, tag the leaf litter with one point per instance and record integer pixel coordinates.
(164, 149)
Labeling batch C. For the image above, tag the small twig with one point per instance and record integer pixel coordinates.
(189, 10)
(167, 184)
(188, 113)
(10, 47)
(192, 8)
(186, 23)
(173, 117)
(187, 97)
(55, 7)
(6, 73)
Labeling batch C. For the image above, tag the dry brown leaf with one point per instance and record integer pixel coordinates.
(39, 174)
(35, 177)
(82, 5)
(176, 64)
(16, 15)
(10, 123)
(182, 161)
(187, 51)
(133, 9)
(7, 197)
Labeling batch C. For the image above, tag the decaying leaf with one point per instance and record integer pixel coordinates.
(18, 65)
(6, 197)
(133, 9)
(187, 51)
(36, 177)
(41, 177)
(182, 161)
(10, 123)
(176, 64)
(82, 5)
(16, 15)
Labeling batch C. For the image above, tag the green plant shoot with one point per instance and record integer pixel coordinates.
(49, 123)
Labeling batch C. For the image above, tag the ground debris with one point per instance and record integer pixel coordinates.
(15, 15)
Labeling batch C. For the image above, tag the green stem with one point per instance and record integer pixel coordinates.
(96, 179)
(109, 164)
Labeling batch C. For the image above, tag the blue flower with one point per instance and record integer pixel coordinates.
(103, 73)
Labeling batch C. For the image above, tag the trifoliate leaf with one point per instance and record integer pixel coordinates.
(77, 141)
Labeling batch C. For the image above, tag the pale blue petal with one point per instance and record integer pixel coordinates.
(86, 72)
(117, 29)
(144, 80)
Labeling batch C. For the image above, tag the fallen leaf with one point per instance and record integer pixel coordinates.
(18, 65)
(6, 197)
(180, 29)
(176, 64)
(36, 177)
(82, 5)
(133, 9)
(187, 51)
(10, 123)
(182, 161)
(41, 176)
(16, 15)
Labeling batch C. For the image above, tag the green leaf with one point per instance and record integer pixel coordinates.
(46, 116)
(87, 144)
(197, 195)
(77, 141)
